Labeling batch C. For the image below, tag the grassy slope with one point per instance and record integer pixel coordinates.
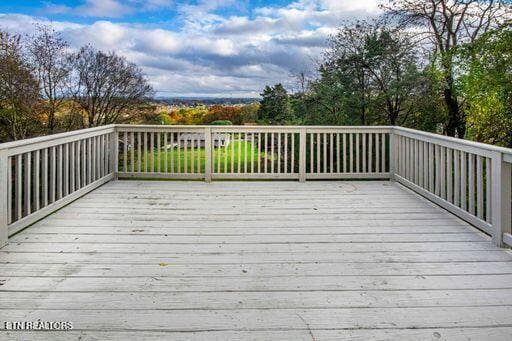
(235, 153)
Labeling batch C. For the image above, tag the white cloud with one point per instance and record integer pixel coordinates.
(103, 9)
(212, 54)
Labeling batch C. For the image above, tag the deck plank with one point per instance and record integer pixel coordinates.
(235, 260)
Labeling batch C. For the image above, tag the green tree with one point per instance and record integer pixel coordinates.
(487, 87)
(370, 75)
(447, 25)
(275, 106)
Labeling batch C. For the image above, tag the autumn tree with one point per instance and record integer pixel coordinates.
(19, 91)
(448, 24)
(106, 85)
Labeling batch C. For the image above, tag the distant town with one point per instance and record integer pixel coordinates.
(186, 102)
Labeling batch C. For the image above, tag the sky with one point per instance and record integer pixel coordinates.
(198, 48)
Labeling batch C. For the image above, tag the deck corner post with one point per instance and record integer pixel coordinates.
(501, 191)
(392, 154)
(114, 148)
(208, 151)
(302, 155)
(4, 209)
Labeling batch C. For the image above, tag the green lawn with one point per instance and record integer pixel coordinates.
(236, 154)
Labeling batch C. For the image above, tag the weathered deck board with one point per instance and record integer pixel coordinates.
(452, 334)
(256, 260)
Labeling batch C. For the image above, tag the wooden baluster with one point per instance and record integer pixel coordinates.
(479, 187)
(233, 154)
(471, 180)
(19, 186)
(198, 155)
(185, 160)
(358, 146)
(272, 152)
(338, 153)
(311, 153)
(252, 152)
(377, 153)
(463, 180)
(192, 150)
(285, 163)
(6, 162)
(344, 153)
(159, 152)
(125, 152)
(44, 182)
(292, 162)
(66, 169)
(383, 153)
(456, 177)
(78, 158)
(178, 152)
(370, 153)
(443, 172)
(229, 136)
(245, 152)
(363, 152)
(166, 152)
(36, 181)
(139, 152)
(27, 199)
(351, 152)
(449, 174)
(488, 187)
(72, 150)
(331, 154)
(53, 174)
(431, 169)
(239, 155)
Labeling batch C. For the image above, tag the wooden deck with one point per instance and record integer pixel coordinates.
(256, 260)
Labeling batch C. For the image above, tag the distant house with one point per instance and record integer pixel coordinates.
(198, 139)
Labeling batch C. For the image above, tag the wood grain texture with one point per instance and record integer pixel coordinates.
(257, 260)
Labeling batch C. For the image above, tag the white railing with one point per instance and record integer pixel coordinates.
(471, 180)
(244, 152)
(41, 175)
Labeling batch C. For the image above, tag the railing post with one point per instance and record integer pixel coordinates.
(392, 154)
(208, 151)
(302, 155)
(4, 166)
(501, 202)
(114, 149)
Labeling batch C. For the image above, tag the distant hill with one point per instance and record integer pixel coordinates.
(207, 101)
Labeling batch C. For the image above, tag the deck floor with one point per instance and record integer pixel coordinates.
(256, 260)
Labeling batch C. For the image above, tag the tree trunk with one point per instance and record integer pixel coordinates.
(51, 122)
(453, 127)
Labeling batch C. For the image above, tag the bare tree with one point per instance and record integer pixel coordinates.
(49, 55)
(19, 91)
(106, 85)
(449, 24)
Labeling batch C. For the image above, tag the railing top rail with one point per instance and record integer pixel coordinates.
(51, 140)
(149, 126)
(455, 141)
